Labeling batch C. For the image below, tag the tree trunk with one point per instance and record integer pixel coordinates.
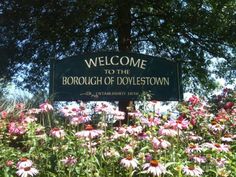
(124, 25)
(124, 41)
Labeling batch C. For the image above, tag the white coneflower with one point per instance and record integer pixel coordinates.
(193, 148)
(155, 168)
(165, 131)
(160, 143)
(192, 170)
(218, 147)
(25, 168)
(57, 132)
(227, 138)
(118, 115)
(27, 171)
(89, 132)
(129, 162)
(193, 137)
(24, 162)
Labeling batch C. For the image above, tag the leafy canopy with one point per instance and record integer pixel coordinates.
(193, 32)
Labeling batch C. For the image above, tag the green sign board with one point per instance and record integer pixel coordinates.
(111, 76)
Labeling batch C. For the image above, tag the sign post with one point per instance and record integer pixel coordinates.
(115, 76)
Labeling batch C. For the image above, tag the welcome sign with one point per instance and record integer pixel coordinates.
(111, 76)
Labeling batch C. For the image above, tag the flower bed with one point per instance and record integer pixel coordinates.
(76, 141)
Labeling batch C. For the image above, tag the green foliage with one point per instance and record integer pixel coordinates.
(47, 137)
(193, 32)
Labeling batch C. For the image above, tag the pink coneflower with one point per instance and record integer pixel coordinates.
(129, 162)
(155, 168)
(217, 147)
(220, 162)
(221, 147)
(118, 115)
(69, 161)
(215, 127)
(69, 111)
(198, 158)
(24, 162)
(9, 163)
(148, 157)
(160, 143)
(150, 121)
(57, 132)
(15, 128)
(143, 136)
(27, 171)
(167, 132)
(33, 111)
(222, 116)
(4, 114)
(89, 132)
(135, 114)
(104, 107)
(178, 124)
(194, 100)
(193, 148)
(76, 120)
(120, 132)
(28, 119)
(134, 129)
(46, 107)
(193, 137)
(227, 138)
(192, 170)
(154, 121)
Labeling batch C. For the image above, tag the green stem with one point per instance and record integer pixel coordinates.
(49, 120)
(179, 172)
(178, 139)
(43, 122)
(130, 172)
(113, 171)
(69, 175)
